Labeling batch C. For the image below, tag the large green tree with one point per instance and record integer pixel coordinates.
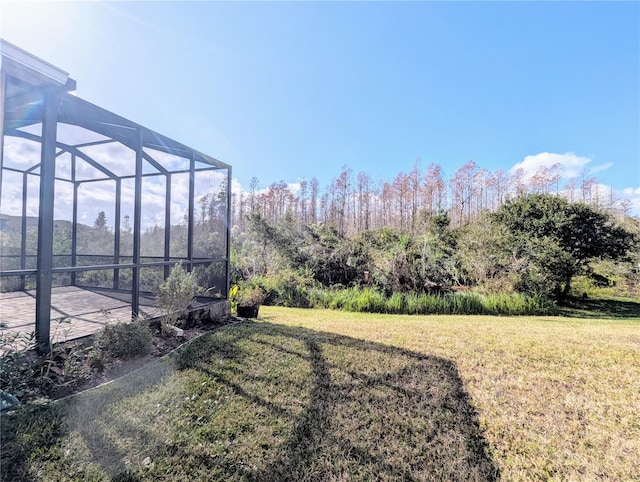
(558, 239)
(101, 221)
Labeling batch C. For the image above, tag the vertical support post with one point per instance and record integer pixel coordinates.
(167, 225)
(137, 222)
(3, 90)
(116, 240)
(23, 229)
(228, 240)
(192, 203)
(45, 220)
(74, 221)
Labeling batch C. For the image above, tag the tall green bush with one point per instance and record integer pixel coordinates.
(176, 294)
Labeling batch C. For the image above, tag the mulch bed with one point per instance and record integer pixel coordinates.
(83, 376)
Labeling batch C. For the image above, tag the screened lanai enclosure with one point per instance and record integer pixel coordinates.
(95, 210)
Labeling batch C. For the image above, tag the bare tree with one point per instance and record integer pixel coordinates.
(386, 200)
(414, 180)
(434, 189)
(462, 191)
(314, 199)
(343, 193)
(586, 188)
(303, 201)
(570, 189)
(364, 201)
(399, 201)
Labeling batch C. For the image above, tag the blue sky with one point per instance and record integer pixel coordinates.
(284, 91)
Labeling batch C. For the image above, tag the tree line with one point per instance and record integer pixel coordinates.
(487, 232)
(356, 202)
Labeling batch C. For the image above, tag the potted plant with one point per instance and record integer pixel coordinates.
(247, 300)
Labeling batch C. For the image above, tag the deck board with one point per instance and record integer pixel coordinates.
(75, 312)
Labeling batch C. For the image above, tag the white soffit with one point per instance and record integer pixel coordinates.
(25, 66)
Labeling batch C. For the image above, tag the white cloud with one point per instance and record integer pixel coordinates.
(20, 153)
(633, 195)
(114, 156)
(630, 191)
(168, 161)
(72, 134)
(294, 187)
(600, 168)
(570, 165)
(236, 187)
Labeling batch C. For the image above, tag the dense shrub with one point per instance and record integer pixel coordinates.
(534, 244)
(125, 340)
(559, 239)
(286, 288)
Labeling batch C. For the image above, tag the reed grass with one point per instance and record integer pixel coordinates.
(368, 300)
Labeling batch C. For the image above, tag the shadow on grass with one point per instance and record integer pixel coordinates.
(600, 308)
(332, 407)
(38, 430)
(23, 433)
(373, 412)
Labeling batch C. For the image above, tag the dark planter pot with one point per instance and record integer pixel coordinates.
(248, 311)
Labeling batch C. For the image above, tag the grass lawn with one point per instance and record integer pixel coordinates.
(326, 395)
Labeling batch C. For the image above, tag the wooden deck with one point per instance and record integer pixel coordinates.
(75, 312)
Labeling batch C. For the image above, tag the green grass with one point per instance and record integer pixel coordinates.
(368, 300)
(327, 395)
